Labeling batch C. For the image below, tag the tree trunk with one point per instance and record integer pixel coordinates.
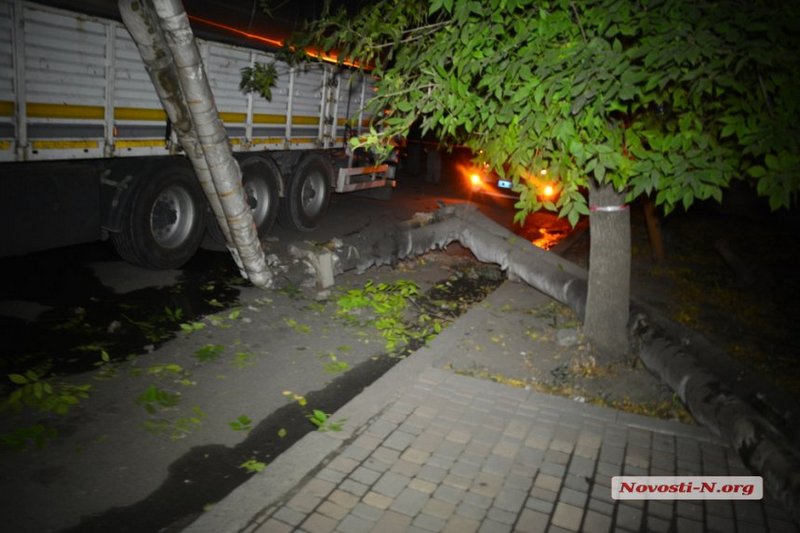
(607, 301)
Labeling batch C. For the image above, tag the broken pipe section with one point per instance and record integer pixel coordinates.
(762, 447)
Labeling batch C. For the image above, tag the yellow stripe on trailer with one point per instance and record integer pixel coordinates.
(261, 118)
(305, 120)
(305, 140)
(267, 140)
(139, 113)
(84, 112)
(88, 112)
(5, 145)
(233, 117)
(64, 145)
(140, 143)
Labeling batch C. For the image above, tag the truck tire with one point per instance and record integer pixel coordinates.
(260, 177)
(260, 180)
(308, 194)
(164, 222)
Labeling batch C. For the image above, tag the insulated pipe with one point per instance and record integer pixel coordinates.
(761, 446)
(153, 48)
(197, 105)
(213, 139)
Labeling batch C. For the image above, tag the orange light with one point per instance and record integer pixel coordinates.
(548, 191)
(270, 41)
(475, 179)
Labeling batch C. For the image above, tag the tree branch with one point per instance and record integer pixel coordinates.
(578, 20)
(429, 29)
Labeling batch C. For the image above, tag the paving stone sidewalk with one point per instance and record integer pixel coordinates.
(458, 454)
(425, 449)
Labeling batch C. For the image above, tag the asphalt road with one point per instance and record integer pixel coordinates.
(178, 409)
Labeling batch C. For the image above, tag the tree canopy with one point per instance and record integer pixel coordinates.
(668, 97)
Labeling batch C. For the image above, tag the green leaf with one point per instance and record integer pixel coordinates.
(18, 379)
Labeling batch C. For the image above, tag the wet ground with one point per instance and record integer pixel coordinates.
(59, 310)
(191, 352)
(146, 393)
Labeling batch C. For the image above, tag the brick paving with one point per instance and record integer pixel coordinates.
(427, 450)
(457, 454)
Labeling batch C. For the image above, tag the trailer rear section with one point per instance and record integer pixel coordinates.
(87, 153)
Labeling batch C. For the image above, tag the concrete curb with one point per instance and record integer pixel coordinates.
(242, 509)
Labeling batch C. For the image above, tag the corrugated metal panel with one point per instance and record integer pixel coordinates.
(65, 69)
(6, 66)
(132, 85)
(224, 74)
(64, 58)
(307, 92)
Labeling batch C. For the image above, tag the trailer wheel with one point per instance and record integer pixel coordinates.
(260, 181)
(164, 222)
(308, 194)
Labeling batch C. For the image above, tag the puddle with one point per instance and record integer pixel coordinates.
(65, 315)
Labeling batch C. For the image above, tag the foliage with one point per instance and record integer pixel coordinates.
(191, 327)
(209, 352)
(242, 423)
(171, 371)
(36, 435)
(176, 428)
(42, 394)
(667, 97)
(253, 466)
(384, 306)
(154, 399)
(315, 416)
(299, 328)
(242, 359)
(333, 365)
(219, 319)
(105, 368)
(299, 398)
(158, 403)
(260, 78)
(175, 315)
(323, 422)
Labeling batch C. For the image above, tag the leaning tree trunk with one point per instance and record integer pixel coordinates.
(608, 297)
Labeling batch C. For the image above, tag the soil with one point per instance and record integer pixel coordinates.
(713, 281)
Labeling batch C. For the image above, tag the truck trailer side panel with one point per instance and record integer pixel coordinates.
(73, 87)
